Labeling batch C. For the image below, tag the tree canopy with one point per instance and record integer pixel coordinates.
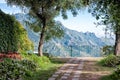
(108, 12)
(45, 11)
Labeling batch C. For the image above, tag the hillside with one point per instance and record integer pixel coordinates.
(81, 44)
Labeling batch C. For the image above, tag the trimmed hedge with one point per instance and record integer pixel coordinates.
(13, 37)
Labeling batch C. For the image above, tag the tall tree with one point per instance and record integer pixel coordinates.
(46, 10)
(108, 12)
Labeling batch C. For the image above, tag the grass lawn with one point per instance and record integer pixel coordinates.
(47, 66)
(47, 71)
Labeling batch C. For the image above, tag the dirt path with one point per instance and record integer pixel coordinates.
(79, 69)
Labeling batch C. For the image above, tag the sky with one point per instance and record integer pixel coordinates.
(2, 1)
(83, 22)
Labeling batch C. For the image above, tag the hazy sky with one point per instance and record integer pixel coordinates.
(2, 1)
(83, 22)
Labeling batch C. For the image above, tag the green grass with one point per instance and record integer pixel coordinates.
(46, 66)
(104, 68)
(45, 73)
(108, 77)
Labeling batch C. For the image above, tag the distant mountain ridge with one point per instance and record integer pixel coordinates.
(75, 44)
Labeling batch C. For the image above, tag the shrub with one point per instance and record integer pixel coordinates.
(30, 65)
(116, 73)
(40, 61)
(107, 50)
(48, 55)
(16, 70)
(114, 76)
(8, 38)
(13, 37)
(109, 61)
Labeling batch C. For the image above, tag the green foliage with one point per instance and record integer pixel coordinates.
(54, 30)
(8, 37)
(13, 36)
(45, 74)
(48, 55)
(108, 12)
(30, 65)
(24, 42)
(45, 66)
(110, 61)
(47, 71)
(116, 73)
(16, 70)
(44, 11)
(114, 76)
(108, 77)
(40, 61)
(108, 50)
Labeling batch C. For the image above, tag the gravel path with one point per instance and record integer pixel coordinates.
(69, 71)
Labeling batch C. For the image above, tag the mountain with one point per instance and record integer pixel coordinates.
(75, 44)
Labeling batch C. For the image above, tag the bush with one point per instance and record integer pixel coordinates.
(13, 36)
(30, 65)
(110, 61)
(16, 70)
(116, 73)
(114, 76)
(107, 50)
(47, 55)
(8, 37)
(40, 61)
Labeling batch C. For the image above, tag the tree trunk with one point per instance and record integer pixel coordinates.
(42, 35)
(117, 44)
